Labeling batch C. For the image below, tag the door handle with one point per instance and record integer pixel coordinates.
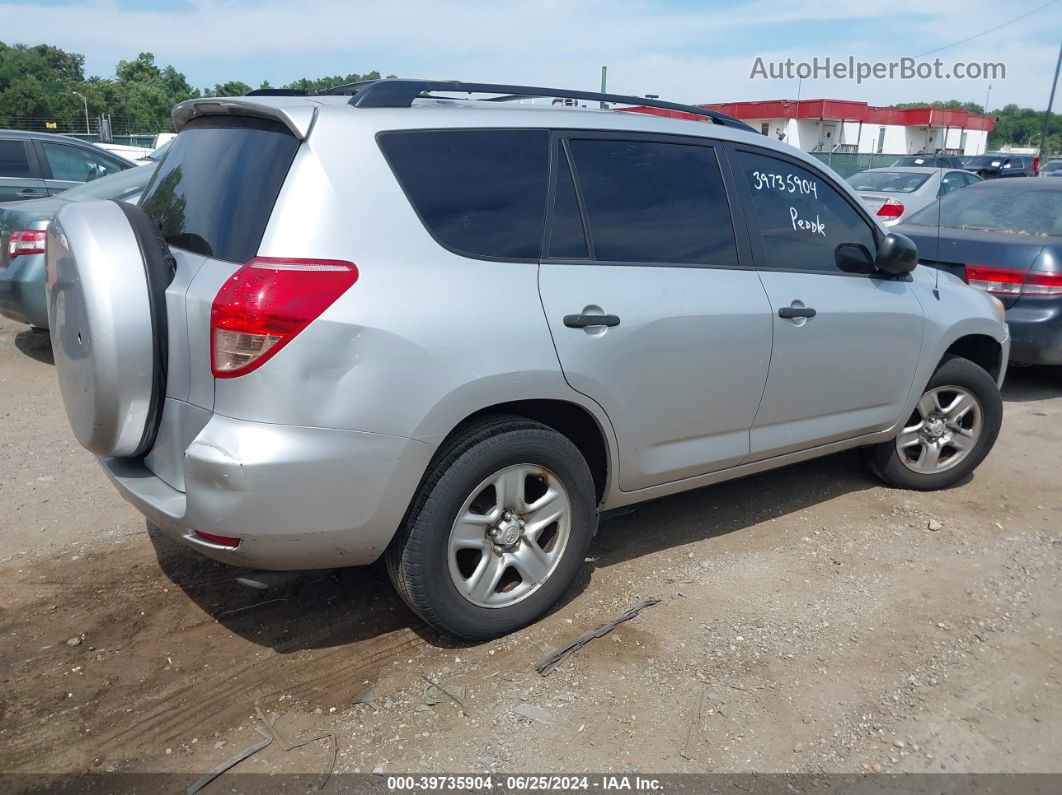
(790, 312)
(591, 321)
(31, 192)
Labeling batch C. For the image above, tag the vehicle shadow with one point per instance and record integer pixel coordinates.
(36, 344)
(1029, 384)
(357, 605)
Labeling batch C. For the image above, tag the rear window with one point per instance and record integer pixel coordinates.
(1014, 211)
(479, 192)
(215, 188)
(888, 181)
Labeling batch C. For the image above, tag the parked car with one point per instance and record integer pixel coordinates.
(929, 161)
(898, 192)
(993, 165)
(35, 165)
(449, 332)
(22, 226)
(1004, 237)
(1052, 168)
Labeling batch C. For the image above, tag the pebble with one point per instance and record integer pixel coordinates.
(934, 525)
(74, 642)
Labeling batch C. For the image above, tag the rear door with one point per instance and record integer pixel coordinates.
(19, 176)
(66, 165)
(846, 344)
(654, 309)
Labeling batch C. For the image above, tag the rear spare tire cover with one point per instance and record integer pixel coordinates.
(107, 273)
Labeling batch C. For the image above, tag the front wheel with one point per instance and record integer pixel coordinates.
(952, 429)
(498, 531)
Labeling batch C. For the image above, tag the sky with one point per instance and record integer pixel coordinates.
(683, 50)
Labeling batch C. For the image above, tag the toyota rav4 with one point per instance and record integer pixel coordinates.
(397, 321)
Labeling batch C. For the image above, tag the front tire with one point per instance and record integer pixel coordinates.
(953, 427)
(498, 531)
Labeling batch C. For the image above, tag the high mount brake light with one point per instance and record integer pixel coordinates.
(266, 303)
(890, 209)
(26, 241)
(1005, 281)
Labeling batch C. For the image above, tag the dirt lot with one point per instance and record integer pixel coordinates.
(823, 623)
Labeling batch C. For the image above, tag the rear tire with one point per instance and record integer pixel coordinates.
(948, 435)
(526, 503)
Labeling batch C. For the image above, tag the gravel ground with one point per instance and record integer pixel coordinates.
(810, 620)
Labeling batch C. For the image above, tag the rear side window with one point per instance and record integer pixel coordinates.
(74, 164)
(479, 192)
(802, 219)
(13, 159)
(654, 202)
(214, 190)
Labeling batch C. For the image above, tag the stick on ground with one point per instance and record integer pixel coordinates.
(556, 658)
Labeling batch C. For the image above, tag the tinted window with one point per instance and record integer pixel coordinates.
(888, 181)
(997, 209)
(13, 160)
(117, 186)
(802, 219)
(479, 192)
(567, 238)
(74, 164)
(654, 202)
(214, 190)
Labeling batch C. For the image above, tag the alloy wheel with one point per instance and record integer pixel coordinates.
(943, 430)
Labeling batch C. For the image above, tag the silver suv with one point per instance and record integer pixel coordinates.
(391, 322)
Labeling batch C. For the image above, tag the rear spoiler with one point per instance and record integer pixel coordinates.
(296, 116)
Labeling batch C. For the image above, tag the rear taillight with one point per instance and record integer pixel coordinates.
(26, 241)
(1037, 283)
(890, 209)
(1036, 165)
(266, 303)
(1005, 281)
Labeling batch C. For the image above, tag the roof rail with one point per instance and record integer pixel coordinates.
(400, 93)
(281, 92)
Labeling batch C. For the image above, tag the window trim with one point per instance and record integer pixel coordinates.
(563, 136)
(546, 207)
(733, 150)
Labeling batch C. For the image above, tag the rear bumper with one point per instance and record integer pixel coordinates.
(22, 291)
(296, 497)
(1036, 330)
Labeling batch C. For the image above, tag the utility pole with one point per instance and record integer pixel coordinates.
(988, 93)
(1050, 103)
(87, 130)
(604, 74)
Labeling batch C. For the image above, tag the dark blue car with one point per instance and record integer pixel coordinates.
(1003, 236)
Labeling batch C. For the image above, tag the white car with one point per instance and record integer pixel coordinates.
(897, 192)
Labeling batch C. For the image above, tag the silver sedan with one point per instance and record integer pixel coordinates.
(897, 192)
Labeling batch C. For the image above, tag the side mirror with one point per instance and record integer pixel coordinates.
(854, 258)
(897, 254)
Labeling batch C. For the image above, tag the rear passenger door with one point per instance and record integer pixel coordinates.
(846, 343)
(19, 176)
(654, 309)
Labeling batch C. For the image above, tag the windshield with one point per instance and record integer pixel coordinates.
(1010, 210)
(918, 160)
(984, 160)
(159, 153)
(116, 186)
(1054, 165)
(888, 181)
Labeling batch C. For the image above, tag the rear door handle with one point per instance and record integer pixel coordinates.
(590, 321)
(790, 312)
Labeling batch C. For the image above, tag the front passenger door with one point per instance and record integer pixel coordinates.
(846, 344)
